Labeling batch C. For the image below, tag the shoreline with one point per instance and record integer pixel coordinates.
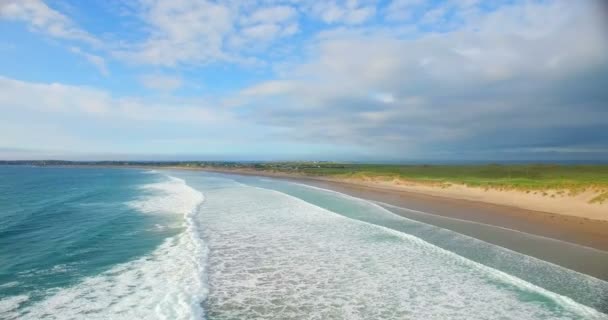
(584, 231)
(572, 242)
(549, 201)
(577, 230)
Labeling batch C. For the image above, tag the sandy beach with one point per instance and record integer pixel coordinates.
(567, 218)
(575, 242)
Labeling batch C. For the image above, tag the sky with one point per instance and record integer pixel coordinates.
(390, 80)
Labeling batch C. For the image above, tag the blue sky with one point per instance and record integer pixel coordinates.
(300, 79)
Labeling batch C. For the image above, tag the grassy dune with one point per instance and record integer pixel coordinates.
(555, 179)
(572, 179)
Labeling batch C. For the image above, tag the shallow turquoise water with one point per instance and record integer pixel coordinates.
(124, 243)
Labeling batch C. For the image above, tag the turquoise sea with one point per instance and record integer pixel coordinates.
(108, 243)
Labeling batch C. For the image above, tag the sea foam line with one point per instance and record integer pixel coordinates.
(168, 283)
(381, 205)
(565, 301)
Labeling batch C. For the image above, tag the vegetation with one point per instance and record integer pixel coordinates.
(528, 176)
(572, 178)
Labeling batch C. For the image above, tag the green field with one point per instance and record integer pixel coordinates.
(574, 178)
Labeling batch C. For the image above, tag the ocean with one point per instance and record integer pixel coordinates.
(114, 243)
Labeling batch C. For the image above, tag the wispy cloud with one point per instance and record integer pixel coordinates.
(80, 100)
(195, 32)
(181, 32)
(160, 82)
(346, 12)
(95, 60)
(41, 18)
(397, 78)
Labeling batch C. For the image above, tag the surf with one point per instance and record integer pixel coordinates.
(582, 288)
(168, 283)
(272, 254)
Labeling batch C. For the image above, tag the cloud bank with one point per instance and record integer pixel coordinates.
(350, 79)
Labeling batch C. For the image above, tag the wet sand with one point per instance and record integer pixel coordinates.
(579, 230)
(571, 242)
(586, 232)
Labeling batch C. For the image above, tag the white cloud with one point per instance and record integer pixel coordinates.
(347, 12)
(384, 97)
(268, 23)
(161, 82)
(56, 98)
(402, 9)
(275, 14)
(53, 97)
(184, 31)
(262, 31)
(199, 31)
(55, 118)
(363, 83)
(269, 88)
(450, 86)
(43, 19)
(434, 15)
(97, 61)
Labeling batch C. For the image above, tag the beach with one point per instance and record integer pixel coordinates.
(574, 242)
(292, 160)
(580, 203)
(582, 226)
(584, 231)
(182, 244)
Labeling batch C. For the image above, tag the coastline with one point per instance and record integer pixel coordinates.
(575, 243)
(549, 201)
(580, 229)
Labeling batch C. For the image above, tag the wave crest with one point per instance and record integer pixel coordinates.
(168, 283)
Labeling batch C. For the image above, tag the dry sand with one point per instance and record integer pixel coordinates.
(552, 201)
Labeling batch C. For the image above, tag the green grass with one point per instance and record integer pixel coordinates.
(574, 178)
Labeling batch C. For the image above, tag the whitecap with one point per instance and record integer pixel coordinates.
(168, 283)
(8, 306)
(276, 256)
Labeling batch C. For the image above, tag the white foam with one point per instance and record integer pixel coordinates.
(276, 256)
(173, 197)
(169, 283)
(381, 206)
(9, 284)
(8, 306)
(589, 290)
